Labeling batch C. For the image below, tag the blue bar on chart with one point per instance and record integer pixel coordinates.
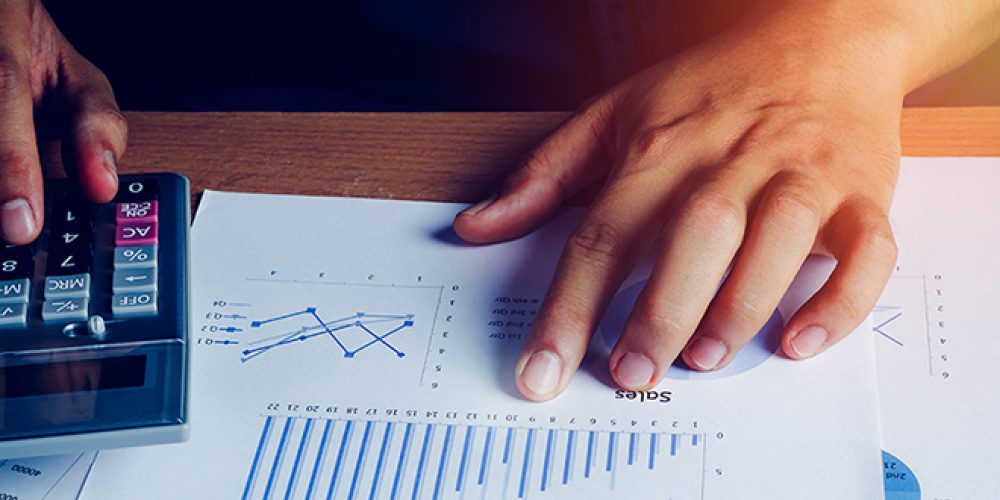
(303, 458)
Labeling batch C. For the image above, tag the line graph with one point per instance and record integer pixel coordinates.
(909, 324)
(881, 325)
(347, 329)
(374, 330)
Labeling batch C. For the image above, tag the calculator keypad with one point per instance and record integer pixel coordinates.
(69, 262)
(134, 261)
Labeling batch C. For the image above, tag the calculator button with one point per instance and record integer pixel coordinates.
(72, 309)
(136, 211)
(136, 233)
(71, 215)
(67, 261)
(16, 265)
(13, 314)
(140, 279)
(132, 257)
(74, 285)
(139, 191)
(133, 304)
(75, 237)
(14, 290)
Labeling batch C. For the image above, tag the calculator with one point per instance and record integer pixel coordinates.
(94, 322)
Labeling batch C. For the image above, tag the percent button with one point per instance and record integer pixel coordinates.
(137, 256)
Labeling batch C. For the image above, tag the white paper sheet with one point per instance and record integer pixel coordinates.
(44, 478)
(349, 348)
(937, 340)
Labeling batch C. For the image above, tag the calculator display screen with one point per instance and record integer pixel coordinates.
(72, 376)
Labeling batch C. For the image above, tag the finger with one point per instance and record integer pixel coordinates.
(20, 171)
(617, 230)
(97, 133)
(700, 242)
(780, 237)
(570, 159)
(596, 259)
(861, 239)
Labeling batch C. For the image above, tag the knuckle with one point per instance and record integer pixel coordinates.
(848, 305)
(597, 243)
(653, 142)
(17, 165)
(568, 314)
(794, 205)
(713, 209)
(103, 118)
(659, 317)
(875, 237)
(739, 316)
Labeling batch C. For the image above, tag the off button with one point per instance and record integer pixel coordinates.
(133, 304)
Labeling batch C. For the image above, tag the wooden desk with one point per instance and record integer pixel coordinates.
(428, 156)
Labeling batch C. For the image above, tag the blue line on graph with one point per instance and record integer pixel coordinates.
(423, 459)
(652, 451)
(404, 453)
(611, 450)
(570, 448)
(547, 464)
(631, 448)
(264, 434)
(362, 454)
(526, 465)
(487, 450)
(361, 321)
(443, 461)
(298, 459)
(277, 458)
(878, 329)
(320, 455)
(465, 458)
(381, 460)
(340, 459)
(506, 448)
(673, 445)
(590, 454)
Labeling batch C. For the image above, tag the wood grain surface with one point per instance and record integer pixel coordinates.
(427, 156)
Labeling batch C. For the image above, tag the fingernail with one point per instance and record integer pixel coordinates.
(541, 372)
(479, 207)
(17, 223)
(809, 340)
(706, 353)
(111, 165)
(635, 371)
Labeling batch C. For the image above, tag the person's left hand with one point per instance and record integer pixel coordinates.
(753, 150)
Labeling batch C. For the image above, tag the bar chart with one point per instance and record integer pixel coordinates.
(310, 458)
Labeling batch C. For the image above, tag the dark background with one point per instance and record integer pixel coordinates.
(404, 55)
(370, 55)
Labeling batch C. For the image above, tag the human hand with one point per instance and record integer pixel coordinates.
(40, 71)
(753, 150)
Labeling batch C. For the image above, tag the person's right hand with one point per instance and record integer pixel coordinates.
(38, 67)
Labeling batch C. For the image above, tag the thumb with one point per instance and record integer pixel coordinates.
(568, 160)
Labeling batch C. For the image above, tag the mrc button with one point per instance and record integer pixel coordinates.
(73, 285)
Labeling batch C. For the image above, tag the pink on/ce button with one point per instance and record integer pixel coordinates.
(135, 233)
(136, 211)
